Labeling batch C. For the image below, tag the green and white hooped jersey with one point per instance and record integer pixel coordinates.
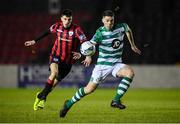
(110, 44)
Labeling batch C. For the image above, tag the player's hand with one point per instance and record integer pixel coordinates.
(136, 50)
(87, 61)
(76, 55)
(30, 43)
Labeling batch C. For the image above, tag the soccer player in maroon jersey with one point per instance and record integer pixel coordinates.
(63, 55)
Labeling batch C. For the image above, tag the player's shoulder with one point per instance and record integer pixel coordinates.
(76, 26)
(100, 29)
(122, 24)
(58, 23)
(54, 26)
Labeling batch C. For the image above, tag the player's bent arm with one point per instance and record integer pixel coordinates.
(42, 35)
(130, 37)
(32, 42)
(131, 41)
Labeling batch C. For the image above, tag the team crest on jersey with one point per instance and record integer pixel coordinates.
(71, 33)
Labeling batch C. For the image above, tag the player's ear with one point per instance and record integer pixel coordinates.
(103, 20)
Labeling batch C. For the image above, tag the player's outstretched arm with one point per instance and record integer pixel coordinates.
(30, 43)
(131, 41)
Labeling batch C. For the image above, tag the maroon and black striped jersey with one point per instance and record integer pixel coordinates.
(67, 40)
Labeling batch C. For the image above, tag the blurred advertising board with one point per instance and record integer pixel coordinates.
(36, 75)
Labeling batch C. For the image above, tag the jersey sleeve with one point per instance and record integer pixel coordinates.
(53, 28)
(97, 38)
(80, 34)
(126, 27)
(44, 34)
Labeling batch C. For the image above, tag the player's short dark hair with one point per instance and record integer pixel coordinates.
(67, 12)
(108, 13)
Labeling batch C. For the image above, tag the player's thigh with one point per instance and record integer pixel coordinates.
(54, 68)
(100, 72)
(123, 70)
(64, 70)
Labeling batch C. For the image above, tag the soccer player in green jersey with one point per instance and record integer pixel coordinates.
(110, 39)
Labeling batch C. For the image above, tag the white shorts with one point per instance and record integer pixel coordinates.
(100, 72)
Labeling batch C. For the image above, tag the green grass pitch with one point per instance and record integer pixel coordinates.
(143, 106)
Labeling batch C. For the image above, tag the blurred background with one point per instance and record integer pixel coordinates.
(155, 25)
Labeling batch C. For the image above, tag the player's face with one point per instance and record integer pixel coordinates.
(108, 22)
(66, 21)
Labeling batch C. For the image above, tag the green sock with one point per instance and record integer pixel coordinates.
(122, 88)
(78, 95)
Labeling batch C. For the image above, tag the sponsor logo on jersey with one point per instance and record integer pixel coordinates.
(59, 30)
(116, 43)
(67, 40)
(55, 59)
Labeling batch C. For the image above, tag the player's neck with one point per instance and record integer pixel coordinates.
(108, 29)
(67, 27)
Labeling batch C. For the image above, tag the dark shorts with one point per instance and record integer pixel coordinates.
(63, 68)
